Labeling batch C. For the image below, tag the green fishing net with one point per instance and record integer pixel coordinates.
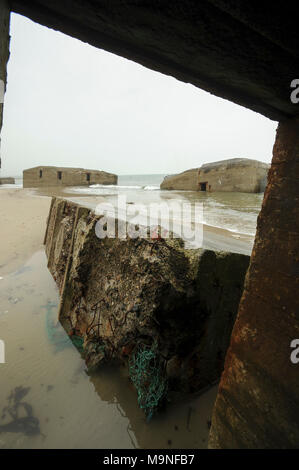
(77, 342)
(146, 372)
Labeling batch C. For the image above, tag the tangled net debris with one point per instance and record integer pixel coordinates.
(147, 374)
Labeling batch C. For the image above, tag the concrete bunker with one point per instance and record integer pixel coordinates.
(233, 175)
(65, 176)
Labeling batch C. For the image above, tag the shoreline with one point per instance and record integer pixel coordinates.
(214, 238)
(24, 215)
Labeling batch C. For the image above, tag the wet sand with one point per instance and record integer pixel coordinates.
(23, 219)
(48, 398)
(220, 239)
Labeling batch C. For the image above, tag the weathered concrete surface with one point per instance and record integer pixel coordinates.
(258, 400)
(7, 180)
(4, 53)
(233, 175)
(236, 174)
(187, 180)
(117, 294)
(229, 48)
(46, 176)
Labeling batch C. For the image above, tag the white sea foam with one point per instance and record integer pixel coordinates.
(235, 212)
(116, 186)
(151, 188)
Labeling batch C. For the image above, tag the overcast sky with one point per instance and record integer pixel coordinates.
(71, 104)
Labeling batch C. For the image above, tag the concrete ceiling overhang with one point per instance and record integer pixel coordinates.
(246, 52)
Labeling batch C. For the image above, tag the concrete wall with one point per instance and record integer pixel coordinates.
(187, 180)
(242, 176)
(117, 294)
(4, 51)
(69, 177)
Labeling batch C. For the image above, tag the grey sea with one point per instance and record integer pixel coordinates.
(236, 212)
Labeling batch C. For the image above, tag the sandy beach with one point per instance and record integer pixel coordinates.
(23, 217)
